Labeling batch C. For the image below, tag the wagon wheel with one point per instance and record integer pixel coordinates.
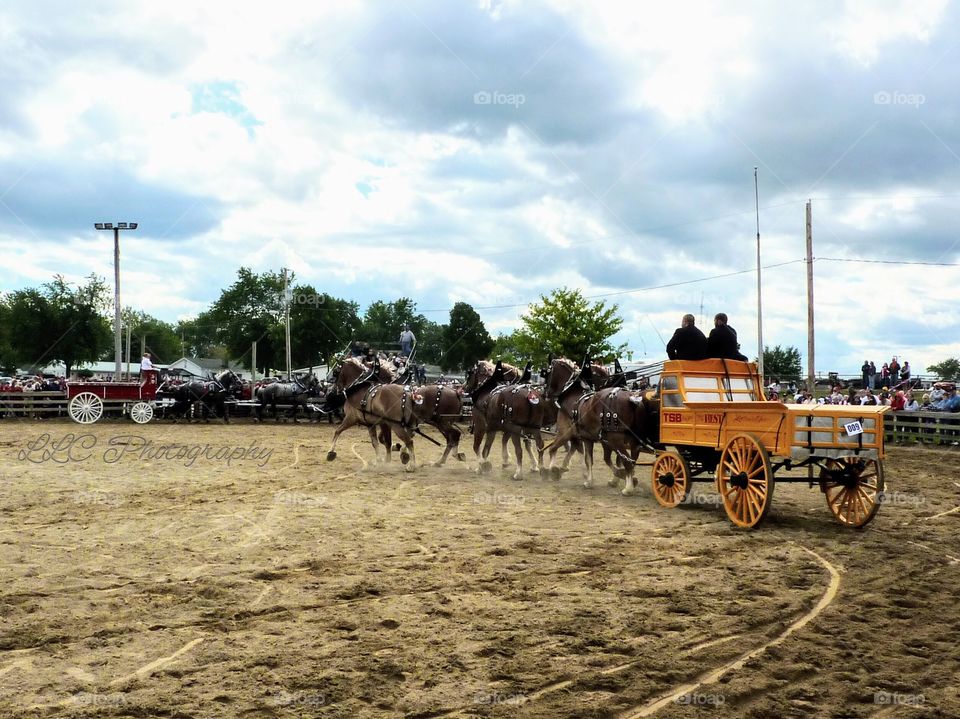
(671, 479)
(85, 408)
(745, 480)
(141, 412)
(853, 487)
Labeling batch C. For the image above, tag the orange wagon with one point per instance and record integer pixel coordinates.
(713, 419)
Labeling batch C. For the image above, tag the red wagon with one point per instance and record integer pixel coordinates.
(89, 400)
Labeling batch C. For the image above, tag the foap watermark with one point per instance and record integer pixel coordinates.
(498, 499)
(493, 698)
(96, 497)
(92, 699)
(84, 447)
(695, 699)
(911, 99)
(495, 97)
(298, 699)
(910, 700)
(901, 499)
(308, 299)
(299, 499)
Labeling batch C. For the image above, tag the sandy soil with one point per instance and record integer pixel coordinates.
(264, 581)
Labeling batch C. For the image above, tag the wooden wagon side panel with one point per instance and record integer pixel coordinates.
(837, 431)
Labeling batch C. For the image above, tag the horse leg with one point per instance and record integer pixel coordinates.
(485, 465)
(547, 468)
(406, 436)
(348, 422)
(535, 459)
(372, 431)
(628, 462)
(588, 462)
(518, 450)
(386, 439)
(575, 446)
(506, 454)
(452, 435)
(226, 413)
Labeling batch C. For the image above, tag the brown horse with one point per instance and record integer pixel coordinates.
(513, 409)
(619, 419)
(370, 404)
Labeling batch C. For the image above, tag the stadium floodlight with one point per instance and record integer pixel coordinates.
(116, 285)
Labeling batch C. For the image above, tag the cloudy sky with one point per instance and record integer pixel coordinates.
(491, 151)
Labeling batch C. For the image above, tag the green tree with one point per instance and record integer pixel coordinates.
(251, 310)
(321, 325)
(60, 323)
(465, 339)
(564, 323)
(198, 336)
(948, 370)
(782, 363)
(148, 334)
(506, 347)
(383, 321)
(7, 363)
(430, 342)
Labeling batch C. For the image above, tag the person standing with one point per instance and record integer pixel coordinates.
(894, 372)
(722, 342)
(688, 342)
(407, 340)
(905, 372)
(872, 376)
(865, 373)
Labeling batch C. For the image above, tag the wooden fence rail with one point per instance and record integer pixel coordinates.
(28, 404)
(926, 427)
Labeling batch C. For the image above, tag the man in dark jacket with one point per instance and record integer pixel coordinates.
(722, 342)
(688, 342)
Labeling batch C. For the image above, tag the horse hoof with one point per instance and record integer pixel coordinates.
(627, 491)
(613, 482)
(404, 457)
(555, 473)
(486, 467)
(410, 468)
(544, 473)
(438, 463)
(461, 456)
(588, 485)
(517, 477)
(331, 455)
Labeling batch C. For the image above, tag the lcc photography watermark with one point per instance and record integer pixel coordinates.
(87, 447)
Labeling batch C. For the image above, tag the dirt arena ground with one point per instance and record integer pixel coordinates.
(255, 579)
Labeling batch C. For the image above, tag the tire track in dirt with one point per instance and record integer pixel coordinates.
(663, 700)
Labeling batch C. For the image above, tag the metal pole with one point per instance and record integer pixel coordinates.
(756, 189)
(286, 304)
(810, 335)
(128, 350)
(116, 303)
(253, 360)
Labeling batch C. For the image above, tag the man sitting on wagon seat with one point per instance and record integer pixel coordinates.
(722, 342)
(688, 342)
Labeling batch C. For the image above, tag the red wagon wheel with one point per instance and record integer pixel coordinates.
(745, 480)
(853, 487)
(671, 479)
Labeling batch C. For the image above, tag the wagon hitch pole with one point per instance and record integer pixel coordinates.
(427, 436)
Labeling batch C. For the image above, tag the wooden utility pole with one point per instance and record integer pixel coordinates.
(286, 305)
(756, 190)
(253, 360)
(811, 372)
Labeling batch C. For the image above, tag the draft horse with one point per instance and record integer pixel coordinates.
(370, 404)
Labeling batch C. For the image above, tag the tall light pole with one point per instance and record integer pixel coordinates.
(756, 191)
(117, 342)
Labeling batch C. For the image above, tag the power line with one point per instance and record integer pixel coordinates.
(888, 262)
(643, 289)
